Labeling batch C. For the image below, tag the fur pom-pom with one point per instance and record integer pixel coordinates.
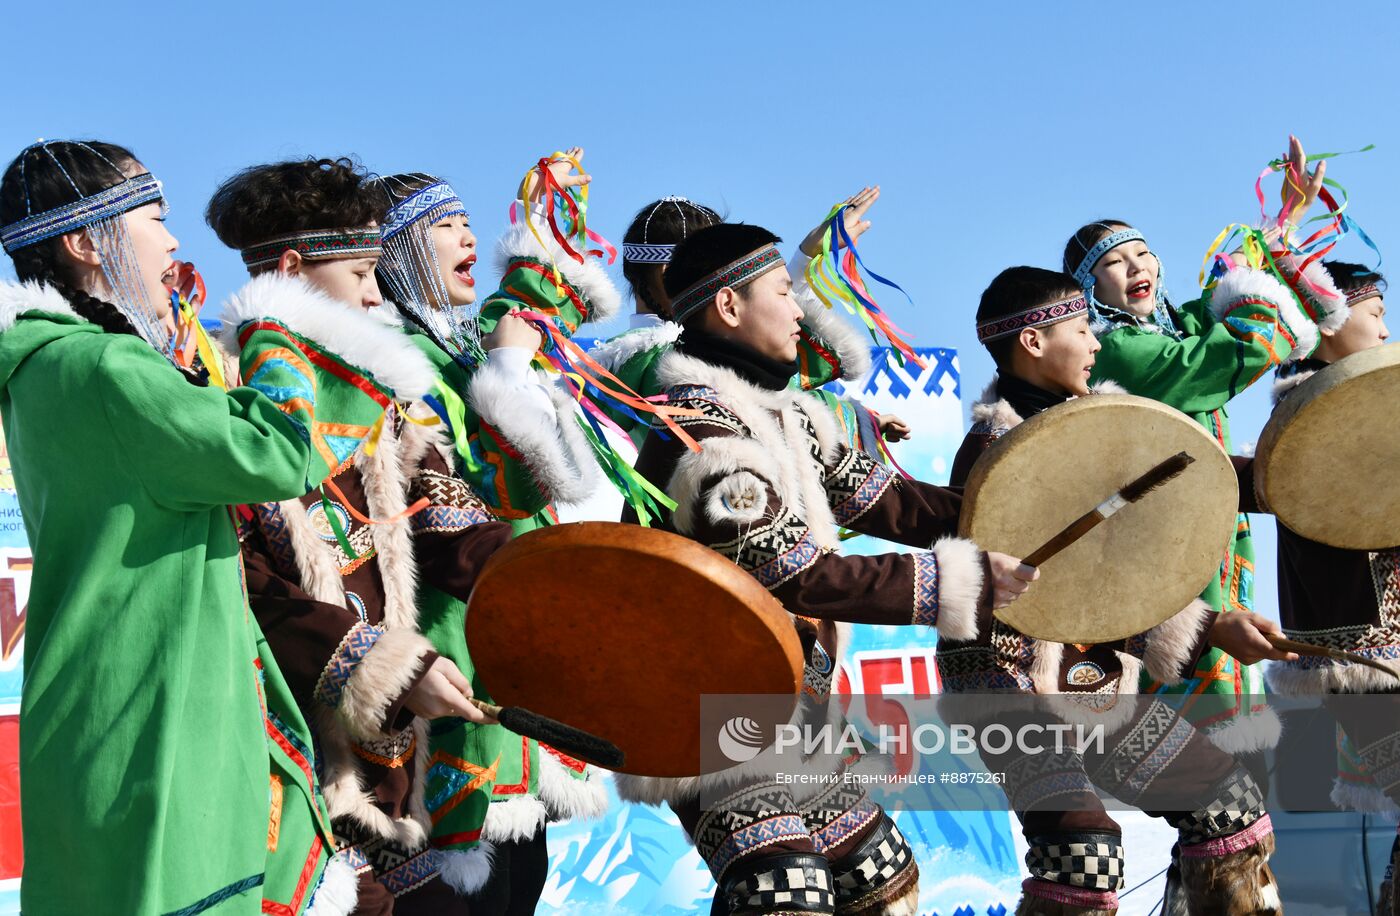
(466, 871)
(338, 891)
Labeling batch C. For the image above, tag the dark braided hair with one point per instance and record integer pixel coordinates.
(662, 222)
(35, 182)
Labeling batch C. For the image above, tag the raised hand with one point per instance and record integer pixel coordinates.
(853, 217)
(1300, 187)
(563, 172)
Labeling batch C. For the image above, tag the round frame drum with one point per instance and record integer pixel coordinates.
(619, 630)
(1141, 565)
(1327, 459)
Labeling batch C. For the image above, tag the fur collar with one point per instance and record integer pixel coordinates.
(1284, 385)
(357, 338)
(616, 352)
(992, 412)
(30, 296)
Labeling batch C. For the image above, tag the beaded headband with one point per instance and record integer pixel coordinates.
(647, 254)
(436, 201)
(734, 275)
(83, 212)
(316, 245)
(1037, 317)
(1084, 273)
(1362, 292)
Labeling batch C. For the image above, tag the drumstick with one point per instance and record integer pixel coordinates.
(573, 741)
(1130, 493)
(1307, 648)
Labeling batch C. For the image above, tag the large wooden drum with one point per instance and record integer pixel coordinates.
(1137, 568)
(1326, 464)
(620, 630)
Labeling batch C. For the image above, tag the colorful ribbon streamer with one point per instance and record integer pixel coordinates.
(573, 202)
(834, 276)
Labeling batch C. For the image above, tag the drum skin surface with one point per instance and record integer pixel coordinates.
(1138, 567)
(619, 630)
(1326, 462)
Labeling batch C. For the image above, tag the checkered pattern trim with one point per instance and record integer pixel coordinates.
(1088, 860)
(855, 485)
(352, 649)
(925, 589)
(1238, 804)
(734, 275)
(882, 858)
(787, 884)
(775, 550)
(452, 504)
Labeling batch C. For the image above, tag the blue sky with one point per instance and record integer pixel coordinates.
(994, 129)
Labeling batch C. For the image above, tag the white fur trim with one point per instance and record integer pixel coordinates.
(907, 905)
(589, 278)
(1247, 283)
(1364, 799)
(615, 353)
(1285, 384)
(370, 344)
(800, 482)
(546, 434)
(742, 463)
(31, 296)
(1255, 731)
(380, 678)
(1291, 679)
(466, 871)
(847, 344)
(566, 796)
(740, 498)
(960, 576)
(347, 797)
(517, 818)
(1107, 386)
(1170, 644)
(338, 891)
(1317, 286)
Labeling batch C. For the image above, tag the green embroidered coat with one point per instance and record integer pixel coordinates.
(164, 767)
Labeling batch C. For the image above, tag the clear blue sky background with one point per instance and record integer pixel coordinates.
(995, 129)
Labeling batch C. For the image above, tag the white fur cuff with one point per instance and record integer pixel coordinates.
(518, 818)
(379, 679)
(959, 586)
(383, 351)
(1243, 283)
(588, 278)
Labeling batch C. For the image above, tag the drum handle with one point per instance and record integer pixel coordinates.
(1130, 493)
(565, 738)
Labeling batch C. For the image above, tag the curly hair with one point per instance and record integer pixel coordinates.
(280, 198)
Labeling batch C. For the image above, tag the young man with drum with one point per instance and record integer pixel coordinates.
(1339, 598)
(1035, 325)
(770, 483)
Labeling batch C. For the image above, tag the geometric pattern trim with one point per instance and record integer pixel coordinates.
(775, 551)
(857, 484)
(1093, 861)
(1237, 804)
(787, 884)
(358, 640)
(882, 858)
(925, 588)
